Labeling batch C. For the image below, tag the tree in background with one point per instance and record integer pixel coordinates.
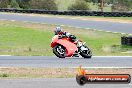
(79, 5)
(117, 5)
(14, 4)
(29, 4)
(122, 5)
(43, 4)
(4, 3)
(99, 3)
(110, 1)
(24, 4)
(93, 1)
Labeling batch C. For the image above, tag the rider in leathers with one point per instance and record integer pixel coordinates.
(58, 31)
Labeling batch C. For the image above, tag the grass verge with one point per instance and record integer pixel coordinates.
(54, 72)
(24, 38)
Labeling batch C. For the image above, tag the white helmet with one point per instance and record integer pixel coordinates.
(57, 30)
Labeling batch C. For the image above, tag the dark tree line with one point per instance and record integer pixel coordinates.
(117, 5)
(29, 4)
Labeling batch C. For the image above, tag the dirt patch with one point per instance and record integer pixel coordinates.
(38, 72)
(109, 71)
(54, 72)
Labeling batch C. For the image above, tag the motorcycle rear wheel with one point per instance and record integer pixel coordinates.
(59, 51)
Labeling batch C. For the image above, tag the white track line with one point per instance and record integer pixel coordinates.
(5, 55)
(112, 56)
(93, 56)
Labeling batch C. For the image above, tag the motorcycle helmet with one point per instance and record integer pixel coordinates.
(57, 30)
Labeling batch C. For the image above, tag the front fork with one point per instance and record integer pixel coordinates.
(77, 52)
(79, 47)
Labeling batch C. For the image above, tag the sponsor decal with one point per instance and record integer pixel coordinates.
(83, 78)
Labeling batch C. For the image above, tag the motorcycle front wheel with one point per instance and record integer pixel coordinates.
(86, 53)
(59, 51)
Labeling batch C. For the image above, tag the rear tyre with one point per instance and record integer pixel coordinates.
(86, 53)
(59, 51)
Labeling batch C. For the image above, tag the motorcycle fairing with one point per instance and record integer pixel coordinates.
(70, 47)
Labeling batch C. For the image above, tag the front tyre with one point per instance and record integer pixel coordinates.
(59, 51)
(86, 53)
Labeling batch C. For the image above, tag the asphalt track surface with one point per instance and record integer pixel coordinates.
(99, 25)
(54, 83)
(54, 62)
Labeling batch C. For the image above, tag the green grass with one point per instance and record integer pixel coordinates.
(19, 38)
(4, 75)
(103, 43)
(24, 41)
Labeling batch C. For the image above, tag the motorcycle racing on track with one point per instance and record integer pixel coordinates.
(66, 45)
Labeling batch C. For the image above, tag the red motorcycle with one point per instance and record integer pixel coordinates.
(63, 47)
